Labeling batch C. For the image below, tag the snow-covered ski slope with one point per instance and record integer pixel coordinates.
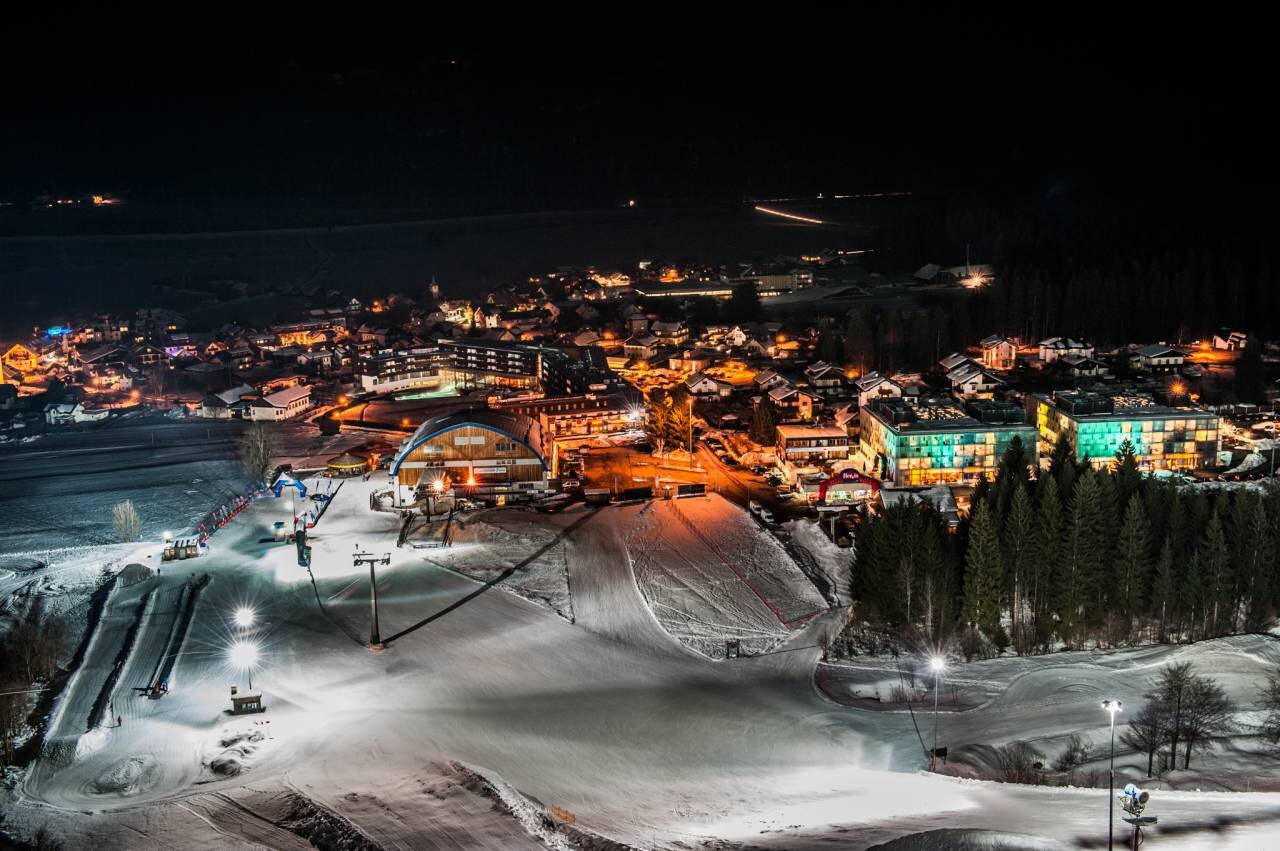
(610, 718)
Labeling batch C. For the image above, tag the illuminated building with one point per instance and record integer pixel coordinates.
(938, 441)
(282, 404)
(388, 371)
(802, 443)
(576, 416)
(485, 452)
(1170, 436)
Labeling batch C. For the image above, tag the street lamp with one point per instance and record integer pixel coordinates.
(244, 617)
(1112, 707)
(243, 655)
(937, 664)
(437, 488)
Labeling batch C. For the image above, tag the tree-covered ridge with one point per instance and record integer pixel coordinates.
(1077, 556)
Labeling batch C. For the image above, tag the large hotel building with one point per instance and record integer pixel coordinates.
(1167, 434)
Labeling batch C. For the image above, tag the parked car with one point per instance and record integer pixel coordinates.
(766, 515)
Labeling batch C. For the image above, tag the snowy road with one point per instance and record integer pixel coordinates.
(608, 718)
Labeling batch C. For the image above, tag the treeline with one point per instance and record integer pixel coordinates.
(28, 660)
(1077, 556)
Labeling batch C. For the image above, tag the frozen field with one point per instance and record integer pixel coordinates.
(609, 718)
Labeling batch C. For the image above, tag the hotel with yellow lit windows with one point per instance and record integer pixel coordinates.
(1166, 433)
(941, 441)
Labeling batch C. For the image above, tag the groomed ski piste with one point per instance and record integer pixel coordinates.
(493, 713)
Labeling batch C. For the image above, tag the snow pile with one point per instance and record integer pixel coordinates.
(128, 776)
(235, 750)
(132, 574)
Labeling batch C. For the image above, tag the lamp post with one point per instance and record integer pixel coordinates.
(937, 664)
(244, 618)
(1112, 707)
(437, 488)
(243, 655)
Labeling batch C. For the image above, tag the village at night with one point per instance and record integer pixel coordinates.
(468, 453)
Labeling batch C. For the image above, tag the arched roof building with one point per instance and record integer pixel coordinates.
(483, 451)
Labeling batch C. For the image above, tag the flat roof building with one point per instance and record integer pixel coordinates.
(939, 441)
(803, 442)
(388, 371)
(1167, 433)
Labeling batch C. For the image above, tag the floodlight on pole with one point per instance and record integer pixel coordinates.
(937, 664)
(244, 617)
(1112, 707)
(243, 656)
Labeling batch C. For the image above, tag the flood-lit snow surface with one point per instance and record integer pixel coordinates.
(486, 707)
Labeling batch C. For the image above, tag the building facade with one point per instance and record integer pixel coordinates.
(940, 442)
(391, 371)
(1164, 437)
(481, 452)
(577, 416)
(282, 404)
(800, 443)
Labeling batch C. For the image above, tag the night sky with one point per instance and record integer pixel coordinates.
(562, 130)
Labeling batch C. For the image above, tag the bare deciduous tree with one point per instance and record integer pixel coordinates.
(1018, 763)
(1207, 713)
(1271, 706)
(124, 519)
(1149, 729)
(258, 446)
(1074, 755)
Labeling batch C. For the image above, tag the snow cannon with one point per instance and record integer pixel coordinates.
(1133, 799)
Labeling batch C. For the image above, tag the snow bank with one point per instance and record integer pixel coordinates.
(968, 839)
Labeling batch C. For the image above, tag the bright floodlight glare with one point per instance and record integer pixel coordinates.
(1112, 706)
(438, 485)
(244, 617)
(243, 655)
(937, 663)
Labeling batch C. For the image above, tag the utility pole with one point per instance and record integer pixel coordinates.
(359, 558)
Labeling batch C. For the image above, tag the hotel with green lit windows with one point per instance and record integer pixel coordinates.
(1167, 433)
(939, 441)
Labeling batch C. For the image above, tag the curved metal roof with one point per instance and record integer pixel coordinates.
(519, 427)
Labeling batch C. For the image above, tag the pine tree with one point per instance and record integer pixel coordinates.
(1019, 556)
(1081, 555)
(1216, 568)
(1190, 590)
(982, 577)
(1256, 564)
(1132, 560)
(1162, 596)
(764, 423)
(1049, 550)
(1127, 476)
